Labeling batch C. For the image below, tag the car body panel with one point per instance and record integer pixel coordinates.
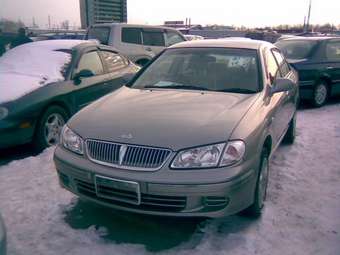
(134, 107)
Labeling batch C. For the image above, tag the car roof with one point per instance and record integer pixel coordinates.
(223, 43)
(130, 25)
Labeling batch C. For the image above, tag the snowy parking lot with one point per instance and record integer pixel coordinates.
(302, 214)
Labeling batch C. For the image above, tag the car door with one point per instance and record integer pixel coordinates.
(332, 54)
(288, 103)
(276, 100)
(117, 68)
(153, 40)
(92, 86)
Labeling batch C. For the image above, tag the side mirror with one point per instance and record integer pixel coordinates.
(282, 85)
(85, 73)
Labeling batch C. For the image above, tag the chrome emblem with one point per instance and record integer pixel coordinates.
(126, 136)
(122, 151)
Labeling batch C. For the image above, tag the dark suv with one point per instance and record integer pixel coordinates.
(317, 60)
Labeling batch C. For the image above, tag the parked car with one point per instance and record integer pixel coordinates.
(190, 135)
(138, 42)
(44, 83)
(2, 237)
(193, 37)
(317, 60)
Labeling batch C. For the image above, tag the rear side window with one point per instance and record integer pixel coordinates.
(101, 34)
(90, 61)
(131, 35)
(283, 65)
(113, 61)
(173, 38)
(333, 51)
(296, 49)
(153, 38)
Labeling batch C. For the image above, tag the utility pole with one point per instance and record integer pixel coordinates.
(309, 12)
(49, 21)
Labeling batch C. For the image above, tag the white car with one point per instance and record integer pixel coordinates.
(140, 43)
(193, 37)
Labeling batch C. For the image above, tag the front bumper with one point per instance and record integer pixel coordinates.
(12, 134)
(164, 196)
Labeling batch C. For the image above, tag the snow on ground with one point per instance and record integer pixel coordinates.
(31, 66)
(301, 216)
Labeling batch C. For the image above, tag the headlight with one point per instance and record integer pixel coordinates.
(215, 155)
(3, 113)
(200, 157)
(72, 141)
(233, 153)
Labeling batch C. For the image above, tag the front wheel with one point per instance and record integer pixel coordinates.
(49, 127)
(320, 95)
(261, 187)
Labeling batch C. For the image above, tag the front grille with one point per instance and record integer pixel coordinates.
(126, 156)
(117, 197)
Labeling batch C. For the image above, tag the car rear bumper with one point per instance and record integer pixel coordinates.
(167, 199)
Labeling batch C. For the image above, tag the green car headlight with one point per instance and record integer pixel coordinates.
(72, 141)
(3, 113)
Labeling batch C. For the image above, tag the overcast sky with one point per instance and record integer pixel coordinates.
(228, 12)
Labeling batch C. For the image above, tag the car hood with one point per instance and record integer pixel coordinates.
(174, 119)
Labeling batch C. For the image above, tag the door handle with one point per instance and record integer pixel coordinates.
(148, 49)
(329, 67)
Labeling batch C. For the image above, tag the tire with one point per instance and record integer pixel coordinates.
(320, 94)
(291, 132)
(49, 126)
(260, 194)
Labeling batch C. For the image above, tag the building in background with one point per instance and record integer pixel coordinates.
(102, 11)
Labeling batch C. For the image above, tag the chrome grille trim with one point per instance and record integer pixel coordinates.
(137, 157)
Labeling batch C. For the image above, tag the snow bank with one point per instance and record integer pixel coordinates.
(31, 66)
(301, 216)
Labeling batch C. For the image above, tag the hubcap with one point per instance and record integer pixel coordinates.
(263, 181)
(53, 127)
(320, 94)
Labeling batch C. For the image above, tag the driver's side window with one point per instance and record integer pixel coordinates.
(90, 61)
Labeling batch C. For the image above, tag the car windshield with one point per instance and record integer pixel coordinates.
(296, 49)
(212, 69)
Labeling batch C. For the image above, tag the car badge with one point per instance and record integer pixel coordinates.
(122, 152)
(126, 136)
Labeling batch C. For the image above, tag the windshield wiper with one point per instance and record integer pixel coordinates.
(238, 90)
(189, 87)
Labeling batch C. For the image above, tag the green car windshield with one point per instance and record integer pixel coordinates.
(207, 69)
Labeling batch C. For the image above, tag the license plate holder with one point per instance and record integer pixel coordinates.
(108, 188)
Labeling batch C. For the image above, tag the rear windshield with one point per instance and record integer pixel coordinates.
(297, 49)
(214, 69)
(101, 34)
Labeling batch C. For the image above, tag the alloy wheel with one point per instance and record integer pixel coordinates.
(52, 128)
